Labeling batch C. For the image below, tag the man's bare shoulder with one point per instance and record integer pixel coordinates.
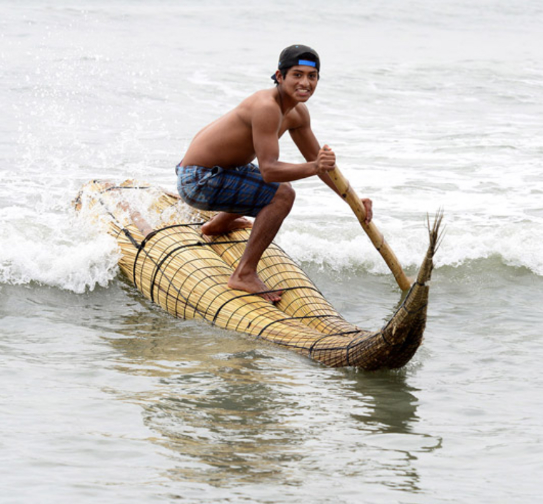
(300, 113)
(265, 99)
(261, 107)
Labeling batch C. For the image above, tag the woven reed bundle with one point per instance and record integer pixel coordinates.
(173, 264)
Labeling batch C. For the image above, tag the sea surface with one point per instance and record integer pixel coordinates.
(428, 105)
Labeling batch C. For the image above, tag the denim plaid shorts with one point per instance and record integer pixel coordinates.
(240, 190)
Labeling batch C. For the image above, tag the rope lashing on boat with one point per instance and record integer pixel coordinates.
(240, 296)
(342, 333)
(403, 307)
(144, 242)
(159, 268)
(256, 294)
(141, 246)
(312, 348)
(171, 253)
(293, 318)
(226, 274)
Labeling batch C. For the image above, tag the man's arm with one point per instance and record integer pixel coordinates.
(266, 124)
(308, 145)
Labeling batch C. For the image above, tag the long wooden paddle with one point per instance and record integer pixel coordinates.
(376, 237)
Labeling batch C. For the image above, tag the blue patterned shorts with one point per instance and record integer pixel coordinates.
(239, 190)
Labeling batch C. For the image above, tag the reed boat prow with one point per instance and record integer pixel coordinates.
(167, 258)
(401, 336)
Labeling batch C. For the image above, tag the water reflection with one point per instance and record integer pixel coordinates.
(231, 411)
(395, 440)
(394, 401)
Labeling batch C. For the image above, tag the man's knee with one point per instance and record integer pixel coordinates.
(286, 192)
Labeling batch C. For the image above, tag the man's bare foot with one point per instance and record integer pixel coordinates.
(224, 223)
(253, 285)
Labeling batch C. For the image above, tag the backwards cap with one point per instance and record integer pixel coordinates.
(298, 55)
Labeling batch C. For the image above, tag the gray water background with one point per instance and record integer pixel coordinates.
(427, 105)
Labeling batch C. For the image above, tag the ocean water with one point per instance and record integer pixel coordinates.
(428, 105)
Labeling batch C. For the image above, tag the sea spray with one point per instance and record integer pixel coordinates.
(57, 252)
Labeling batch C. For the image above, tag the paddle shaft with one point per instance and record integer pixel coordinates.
(376, 237)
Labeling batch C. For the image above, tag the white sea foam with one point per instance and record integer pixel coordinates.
(349, 248)
(54, 259)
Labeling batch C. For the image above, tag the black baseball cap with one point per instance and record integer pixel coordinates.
(298, 55)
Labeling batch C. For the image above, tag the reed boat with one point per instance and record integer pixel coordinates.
(164, 254)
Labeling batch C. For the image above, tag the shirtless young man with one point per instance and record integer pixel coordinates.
(217, 173)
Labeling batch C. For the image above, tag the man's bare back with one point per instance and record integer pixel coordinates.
(228, 141)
